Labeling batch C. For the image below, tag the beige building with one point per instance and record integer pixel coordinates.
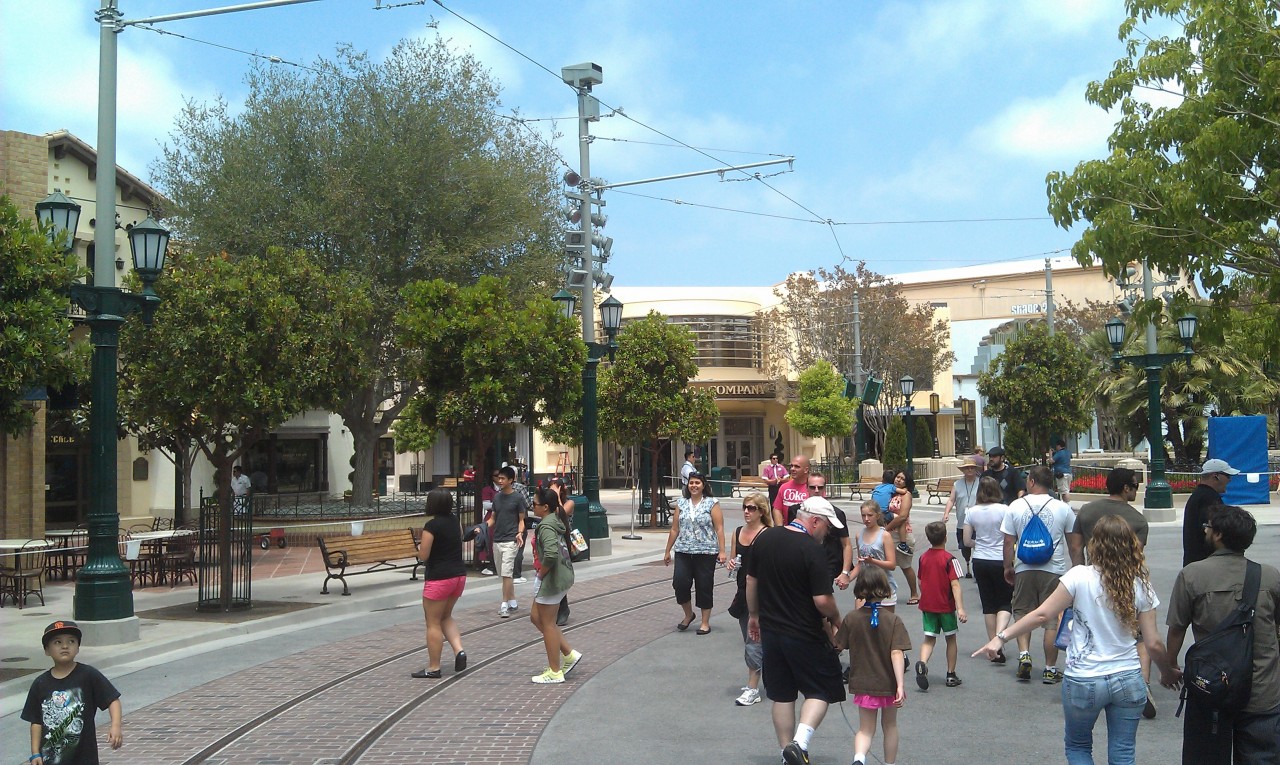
(44, 472)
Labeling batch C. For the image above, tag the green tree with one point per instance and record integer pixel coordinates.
(236, 349)
(485, 357)
(35, 331)
(813, 321)
(1040, 385)
(644, 395)
(821, 410)
(895, 444)
(390, 173)
(1186, 186)
(923, 446)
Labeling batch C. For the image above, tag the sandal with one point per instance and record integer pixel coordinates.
(913, 601)
(682, 626)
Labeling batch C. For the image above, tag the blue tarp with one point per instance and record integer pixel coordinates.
(1242, 442)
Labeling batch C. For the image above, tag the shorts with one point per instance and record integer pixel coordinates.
(940, 624)
(1063, 484)
(548, 598)
(794, 666)
(995, 592)
(1030, 589)
(867, 701)
(443, 589)
(504, 559)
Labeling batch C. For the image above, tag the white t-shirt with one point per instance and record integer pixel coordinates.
(988, 540)
(1100, 644)
(1058, 517)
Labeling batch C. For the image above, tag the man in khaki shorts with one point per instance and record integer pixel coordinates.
(1033, 584)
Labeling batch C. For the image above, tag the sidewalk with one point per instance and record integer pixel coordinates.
(286, 598)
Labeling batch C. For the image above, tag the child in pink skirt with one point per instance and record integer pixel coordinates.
(877, 640)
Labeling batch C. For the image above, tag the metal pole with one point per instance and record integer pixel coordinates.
(859, 432)
(104, 232)
(597, 518)
(1159, 495)
(1048, 294)
(694, 174)
(911, 438)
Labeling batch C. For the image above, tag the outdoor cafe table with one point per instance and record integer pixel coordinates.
(158, 539)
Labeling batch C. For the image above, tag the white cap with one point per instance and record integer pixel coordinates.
(820, 506)
(1218, 466)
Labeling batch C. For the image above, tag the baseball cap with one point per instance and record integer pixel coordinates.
(1218, 466)
(996, 452)
(60, 628)
(820, 506)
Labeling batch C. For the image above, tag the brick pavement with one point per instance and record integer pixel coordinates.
(504, 712)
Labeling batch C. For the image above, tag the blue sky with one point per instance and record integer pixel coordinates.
(895, 111)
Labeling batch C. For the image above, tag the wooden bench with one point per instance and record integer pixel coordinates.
(379, 550)
(862, 489)
(749, 484)
(939, 489)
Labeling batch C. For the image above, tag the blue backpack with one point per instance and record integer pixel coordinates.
(1035, 545)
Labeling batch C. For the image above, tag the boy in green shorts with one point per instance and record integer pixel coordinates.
(941, 603)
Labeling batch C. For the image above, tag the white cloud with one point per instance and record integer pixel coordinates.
(1057, 127)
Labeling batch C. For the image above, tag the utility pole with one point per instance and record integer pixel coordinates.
(1048, 294)
(859, 431)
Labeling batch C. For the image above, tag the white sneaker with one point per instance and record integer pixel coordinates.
(519, 580)
(567, 663)
(486, 572)
(513, 607)
(504, 611)
(749, 696)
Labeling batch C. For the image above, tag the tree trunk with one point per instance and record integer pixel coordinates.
(368, 422)
(365, 436)
(654, 494)
(480, 438)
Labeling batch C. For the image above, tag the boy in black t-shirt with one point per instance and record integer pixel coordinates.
(63, 701)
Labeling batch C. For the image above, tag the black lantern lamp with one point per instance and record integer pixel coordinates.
(567, 301)
(61, 215)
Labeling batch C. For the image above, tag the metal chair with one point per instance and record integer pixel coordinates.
(27, 575)
(180, 557)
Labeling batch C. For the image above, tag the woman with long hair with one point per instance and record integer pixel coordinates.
(440, 550)
(697, 536)
(982, 533)
(757, 515)
(900, 527)
(1113, 603)
(566, 513)
(555, 577)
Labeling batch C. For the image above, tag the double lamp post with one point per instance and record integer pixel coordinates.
(103, 589)
(611, 319)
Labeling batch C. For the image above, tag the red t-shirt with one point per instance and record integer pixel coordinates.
(937, 569)
(790, 493)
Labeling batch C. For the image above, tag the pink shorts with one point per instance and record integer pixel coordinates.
(867, 701)
(443, 589)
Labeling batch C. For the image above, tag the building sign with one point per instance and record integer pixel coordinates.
(1024, 309)
(738, 390)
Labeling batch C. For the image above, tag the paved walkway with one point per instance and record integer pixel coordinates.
(646, 693)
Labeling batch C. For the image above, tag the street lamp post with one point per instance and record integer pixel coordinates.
(907, 385)
(1159, 495)
(935, 406)
(966, 409)
(611, 318)
(103, 590)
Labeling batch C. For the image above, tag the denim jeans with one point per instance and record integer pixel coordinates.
(1122, 696)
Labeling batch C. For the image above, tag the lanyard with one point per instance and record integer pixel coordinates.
(798, 525)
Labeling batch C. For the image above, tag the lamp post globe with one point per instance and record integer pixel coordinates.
(907, 386)
(61, 215)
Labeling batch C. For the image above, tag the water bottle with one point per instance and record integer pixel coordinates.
(737, 561)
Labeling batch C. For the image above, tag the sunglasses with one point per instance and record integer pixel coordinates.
(816, 487)
(753, 507)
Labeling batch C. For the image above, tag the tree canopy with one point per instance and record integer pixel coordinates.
(1041, 387)
(820, 409)
(814, 321)
(389, 172)
(1188, 184)
(235, 350)
(485, 357)
(35, 331)
(645, 398)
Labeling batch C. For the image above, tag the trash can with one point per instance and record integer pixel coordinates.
(721, 482)
(581, 520)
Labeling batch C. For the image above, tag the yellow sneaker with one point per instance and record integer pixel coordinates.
(548, 677)
(567, 663)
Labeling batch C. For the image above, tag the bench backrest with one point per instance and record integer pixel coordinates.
(373, 547)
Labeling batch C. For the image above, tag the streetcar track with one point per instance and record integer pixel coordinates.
(240, 732)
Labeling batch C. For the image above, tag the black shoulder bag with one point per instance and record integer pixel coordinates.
(1218, 672)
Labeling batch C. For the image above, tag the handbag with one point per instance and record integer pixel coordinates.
(577, 541)
(738, 608)
(1063, 638)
